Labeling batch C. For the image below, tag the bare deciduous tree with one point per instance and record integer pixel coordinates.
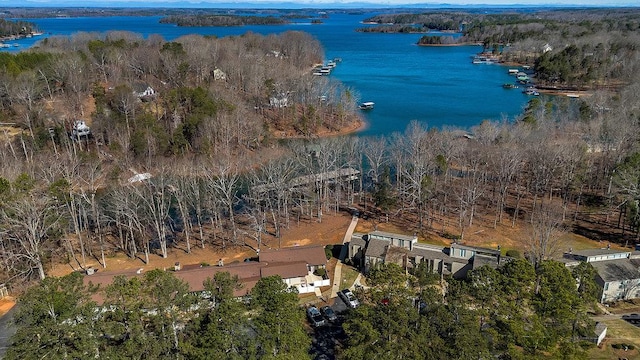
(30, 222)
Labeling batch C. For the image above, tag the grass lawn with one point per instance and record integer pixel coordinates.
(349, 276)
(618, 331)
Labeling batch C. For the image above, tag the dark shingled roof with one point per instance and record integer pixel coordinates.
(312, 255)
(248, 273)
(285, 270)
(293, 264)
(376, 248)
(431, 252)
(358, 240)
(616, 270)
(481, 260)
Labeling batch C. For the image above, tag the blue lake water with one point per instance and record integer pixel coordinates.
(435, 85)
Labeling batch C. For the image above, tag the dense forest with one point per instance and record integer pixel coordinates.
(514, 312)
(15, 28)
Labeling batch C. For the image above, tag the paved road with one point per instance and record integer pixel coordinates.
(610, 316)
(337, 273)
(6, 330)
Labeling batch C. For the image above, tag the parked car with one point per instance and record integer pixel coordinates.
(315, 318)
(349, 299)
(328, 313)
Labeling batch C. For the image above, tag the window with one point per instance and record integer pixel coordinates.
(606, 286)
(463, 252)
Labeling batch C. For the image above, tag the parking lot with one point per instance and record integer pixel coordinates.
(327, 338)
(632, 319)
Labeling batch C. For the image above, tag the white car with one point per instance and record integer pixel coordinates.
(349, 299)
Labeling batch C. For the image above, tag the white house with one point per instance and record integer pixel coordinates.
(279, 102)
(219, 75)
(143, 90)
(80, 129)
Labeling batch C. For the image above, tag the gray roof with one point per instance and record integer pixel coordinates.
(430, 252)
(358, 240)
(481, 260)
(600, 328)
(616, 270)
(376, 248)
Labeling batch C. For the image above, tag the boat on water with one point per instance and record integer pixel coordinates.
(509, 86)
(531, 91)
(368, 105)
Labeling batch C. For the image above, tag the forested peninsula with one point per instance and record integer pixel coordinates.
(222, 20)
(15, 29)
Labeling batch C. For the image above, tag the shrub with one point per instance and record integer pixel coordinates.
(623, 346)
(513, 253)
(328, 251)
(320, 272)
(450, 236)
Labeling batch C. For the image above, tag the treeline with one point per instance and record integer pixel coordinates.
(437, 40)
(580, 49)
(442, 21)
(516, 311)
(208, 92)
(15, 28)
(402, 29)
(561, 163)
(155, 316)
(222, 20)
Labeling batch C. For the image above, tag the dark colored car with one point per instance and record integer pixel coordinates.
(315, 317)
(328, 313)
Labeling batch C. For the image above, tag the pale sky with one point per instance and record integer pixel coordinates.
(315, 3)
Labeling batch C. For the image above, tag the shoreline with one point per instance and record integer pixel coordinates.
(359, 125)
(449, 45)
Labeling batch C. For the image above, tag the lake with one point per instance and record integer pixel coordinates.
(438, 86)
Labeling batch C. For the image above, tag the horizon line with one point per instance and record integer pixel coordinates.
(113, 4)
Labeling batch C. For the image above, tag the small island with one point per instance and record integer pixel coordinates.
(222, 20)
